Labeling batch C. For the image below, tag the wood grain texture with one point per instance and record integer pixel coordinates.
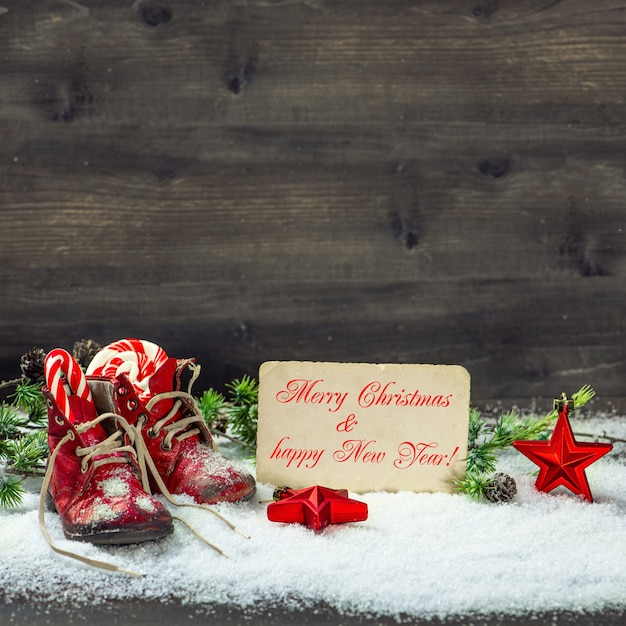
(362, 180)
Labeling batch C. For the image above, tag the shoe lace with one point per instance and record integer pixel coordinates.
(180, 427)
(102, 453)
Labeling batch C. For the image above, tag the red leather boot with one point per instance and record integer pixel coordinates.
(92, 478)
(174, 432)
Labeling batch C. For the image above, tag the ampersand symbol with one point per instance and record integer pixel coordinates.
(347, 425)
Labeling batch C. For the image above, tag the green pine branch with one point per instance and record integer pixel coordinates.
(237, 415)
(242, 413)
(23, 439)
(11, 490)
(474, 483)
(27, 454)
(211, 404)
(11, 421)
(28, 397)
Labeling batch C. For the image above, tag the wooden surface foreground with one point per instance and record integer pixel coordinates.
(342, 180)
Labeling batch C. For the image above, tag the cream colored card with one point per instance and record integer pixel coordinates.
(362, 426)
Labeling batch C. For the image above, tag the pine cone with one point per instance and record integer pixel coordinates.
(219, 423)
(31, 364)
(280, 493)
(501, 488)
(84, 351)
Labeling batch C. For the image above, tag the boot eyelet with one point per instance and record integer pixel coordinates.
(152, 434)
(49, 403)
(59, 420)
(131, 405)
(121, 390)
(166, 447)
(142, 418)
(70, 435)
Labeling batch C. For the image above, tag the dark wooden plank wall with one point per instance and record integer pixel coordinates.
(389, 180)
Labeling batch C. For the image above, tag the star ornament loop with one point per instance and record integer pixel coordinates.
(562, 460)
(316, 507)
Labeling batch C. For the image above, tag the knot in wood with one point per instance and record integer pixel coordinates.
(495, 167)
(154, 14)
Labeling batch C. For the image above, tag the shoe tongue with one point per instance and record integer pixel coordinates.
(164, 379)
(83, 412)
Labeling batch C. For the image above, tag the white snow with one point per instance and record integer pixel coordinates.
(102, 511)
(416, 555)
(114, 486)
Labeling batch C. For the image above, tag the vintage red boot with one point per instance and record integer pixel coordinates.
(92, 477)
(170, 423)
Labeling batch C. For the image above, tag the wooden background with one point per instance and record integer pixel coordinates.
(375, 180)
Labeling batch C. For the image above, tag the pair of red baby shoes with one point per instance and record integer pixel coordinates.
(123, 431)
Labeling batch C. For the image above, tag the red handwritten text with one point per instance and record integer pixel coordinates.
(348, 424)
(357, 450)
(298, 456)
(309, 392)
(377, 394)
(421, 453)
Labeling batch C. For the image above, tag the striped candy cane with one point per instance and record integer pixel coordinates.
(65, 378)
(138, 359)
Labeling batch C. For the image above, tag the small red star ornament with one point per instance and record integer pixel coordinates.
(317, 507)
(562, 460)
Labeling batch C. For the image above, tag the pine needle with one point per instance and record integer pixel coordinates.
(242, 413)
(11, 491)
(10, 421)
(23, 440)
(27, 395)
(237, 415)
(211, 404)
(27, 453)
(474, 484)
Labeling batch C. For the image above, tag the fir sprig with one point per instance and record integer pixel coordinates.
(211, 403)
(28, 453)
(474, 483)
(11, 421)
(28, 398)
(242, 414)
(23, 439)
(11, 490)
(27, 394)
(237, 415)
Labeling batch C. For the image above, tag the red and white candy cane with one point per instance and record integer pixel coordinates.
(138, 359)
(65, 378)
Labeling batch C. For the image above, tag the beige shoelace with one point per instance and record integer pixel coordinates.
(139, 451)
(178, 428)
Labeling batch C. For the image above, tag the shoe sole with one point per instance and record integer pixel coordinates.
(120, 538)
(247, 497)
(115, 537)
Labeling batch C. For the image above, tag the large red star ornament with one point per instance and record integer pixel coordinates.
(562, 460)
(317, 507)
